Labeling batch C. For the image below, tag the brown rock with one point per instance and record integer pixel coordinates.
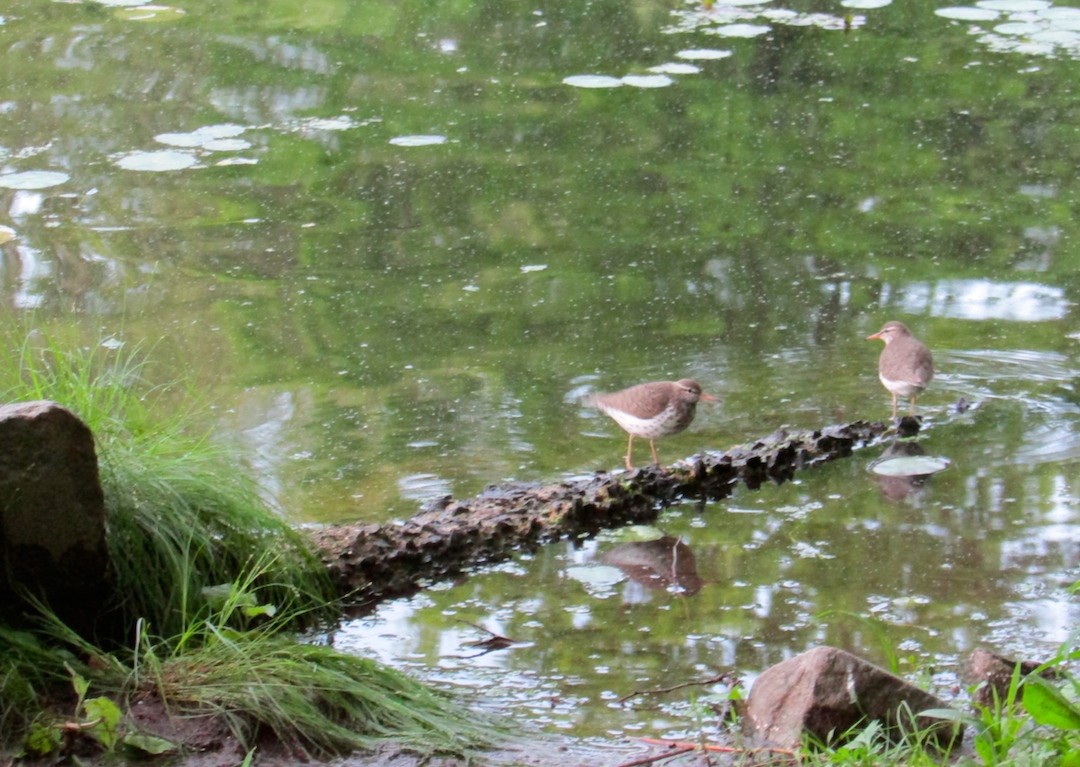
(52, 515)
(992, 673)
(825, 692)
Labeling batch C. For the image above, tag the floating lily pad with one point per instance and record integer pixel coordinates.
(703, 54)
(1013, 6)
(7, 233)
(967, 14)
(675, 68)
(331, 123)
(201, 136)
(910, 466)
(865, 5)
(33, 179)
(1017, 28)
(156, 161)
(1063, 37)
(741, 30)
(634, 533)
(1060, 15)
(418, 140)
(227, 145)
(236, 161)
(598, 580)
(150, 13)
(592, 81)
(648, 81)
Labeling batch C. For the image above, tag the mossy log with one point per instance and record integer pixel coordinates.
(372, 562)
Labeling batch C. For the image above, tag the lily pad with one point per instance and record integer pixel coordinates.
(675, 68)
(704, 54)
(597, 579)
(200, 137)
(910, 466)
(964, 13)
(236, 161)
(7, 233)
(33, 179)
(342, 122)
(149, 13)
(865, 5)
(592, 81)
(430, 140)
(156, 161)
(741, 30)
(648, 81)
(1014, 6)
(1017, 28)
(227, 145)
(634, 534)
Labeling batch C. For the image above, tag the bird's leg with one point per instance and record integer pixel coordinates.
(630, 454)
(894, 403)
(655, 457)
(911, 405)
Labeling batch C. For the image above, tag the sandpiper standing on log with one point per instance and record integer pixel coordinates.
(906, 366)
(652, 410)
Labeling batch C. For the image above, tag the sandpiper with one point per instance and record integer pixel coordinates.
(906, 366)
(652, 410)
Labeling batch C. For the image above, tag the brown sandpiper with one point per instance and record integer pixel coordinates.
(906, 366)
(652, 410)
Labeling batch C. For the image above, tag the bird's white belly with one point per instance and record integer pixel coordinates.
(901, 388)
(650, 428)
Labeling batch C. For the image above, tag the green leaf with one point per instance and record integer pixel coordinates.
(947, 714)
(41, 740)
(1071, 758)
(1048, 706)
(257, 610)
(78, 683)
(108, 716)
(149, 744)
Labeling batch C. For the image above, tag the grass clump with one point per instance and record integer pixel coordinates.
(182, 516)
(212, 587)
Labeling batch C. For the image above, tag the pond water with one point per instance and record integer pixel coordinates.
(394, 246)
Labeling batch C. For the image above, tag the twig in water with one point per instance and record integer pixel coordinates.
(658, 757)
(720, 749)
(724, 677)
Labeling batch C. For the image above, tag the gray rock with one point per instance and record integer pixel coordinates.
(825, 692)
(52, 515)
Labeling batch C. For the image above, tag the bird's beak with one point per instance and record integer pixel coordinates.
(707, 398)
(876, 335)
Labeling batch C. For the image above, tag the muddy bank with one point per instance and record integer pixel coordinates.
(371, 562)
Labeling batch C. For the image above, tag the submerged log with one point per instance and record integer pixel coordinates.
(372, 562)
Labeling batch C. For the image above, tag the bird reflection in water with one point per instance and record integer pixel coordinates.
(664, 563)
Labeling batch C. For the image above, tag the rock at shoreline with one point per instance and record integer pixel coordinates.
(825, 692)
(52, 516)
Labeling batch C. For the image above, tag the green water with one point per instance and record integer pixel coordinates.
(393, 248)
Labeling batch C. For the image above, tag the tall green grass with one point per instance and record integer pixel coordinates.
(182, 515)
(211, 585)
